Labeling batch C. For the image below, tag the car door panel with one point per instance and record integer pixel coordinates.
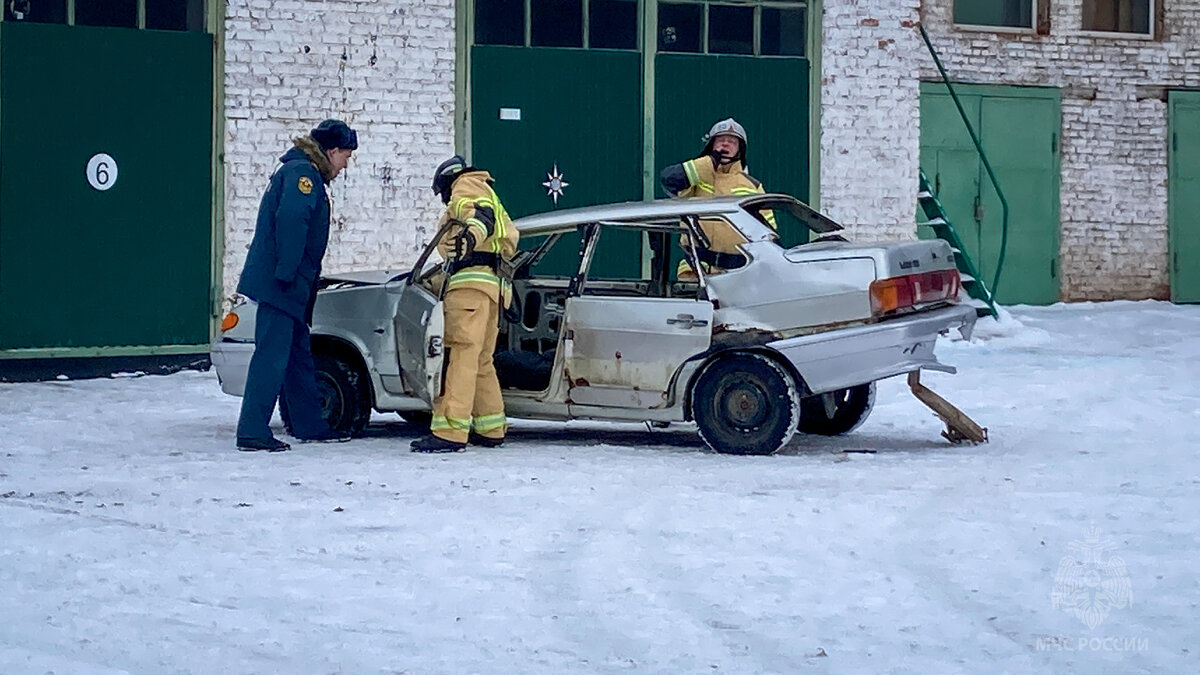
(623, 351)
(419, 330)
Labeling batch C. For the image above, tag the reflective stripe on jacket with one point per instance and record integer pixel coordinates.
(699, 178)
(474, 202)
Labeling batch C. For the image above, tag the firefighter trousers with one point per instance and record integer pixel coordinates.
(470, 396)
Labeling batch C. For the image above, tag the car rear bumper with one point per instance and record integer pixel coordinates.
(852, 356)
(231, 360)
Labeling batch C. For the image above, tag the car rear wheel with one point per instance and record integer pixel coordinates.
(837, 412)
(345, 399)
(746, 404)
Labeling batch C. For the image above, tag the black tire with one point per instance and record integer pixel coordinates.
(850, 409)
(345, 396)
(745, 404)
(417, 418)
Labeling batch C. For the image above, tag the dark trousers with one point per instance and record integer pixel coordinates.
(282, 365)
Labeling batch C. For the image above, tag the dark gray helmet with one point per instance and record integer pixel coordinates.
(445, 174)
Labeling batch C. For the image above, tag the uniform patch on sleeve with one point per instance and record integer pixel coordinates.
(305, 185)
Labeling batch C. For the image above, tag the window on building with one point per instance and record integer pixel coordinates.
(1001, 13)
(113, 13)
(679, 27)
(36, 11)
(1119, 16)
(758, 27)
(556, 23)
(500, 22)
(612, 24)
(783, 32)
(730, 30)
(175, 15)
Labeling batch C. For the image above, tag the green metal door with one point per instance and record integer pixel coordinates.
(768, 96)
(542, 113)
(1018, 128)
(127, 262)
(1021, 141)
(579, 86)
(1183, 194)
(952, 164)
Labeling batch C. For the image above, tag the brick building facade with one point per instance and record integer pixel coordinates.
(194, 101)
(1113, 195)
(389, 69)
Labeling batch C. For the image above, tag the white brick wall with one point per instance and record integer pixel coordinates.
(1114, 147)
(384, 66)
(870, 144)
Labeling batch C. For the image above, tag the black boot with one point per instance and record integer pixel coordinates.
(433, 443)
(484, 441)
(257, 444)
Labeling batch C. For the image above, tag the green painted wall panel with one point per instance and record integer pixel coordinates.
(1019, 138)
(1018, 127)
(580, 110)
(768, 96)
(952, 164)
(1183, 189)
(130, 265)
(770, 100)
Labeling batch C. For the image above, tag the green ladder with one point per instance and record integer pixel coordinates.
(936, 220)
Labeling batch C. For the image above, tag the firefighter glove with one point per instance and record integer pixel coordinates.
(464, 244)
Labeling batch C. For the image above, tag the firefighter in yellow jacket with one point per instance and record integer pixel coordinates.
(478, 240)
(719, 170)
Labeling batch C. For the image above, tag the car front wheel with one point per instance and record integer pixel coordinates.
(746, 404)
(837, 412)
(345, 399)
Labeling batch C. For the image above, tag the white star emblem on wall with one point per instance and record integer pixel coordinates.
(554, 184)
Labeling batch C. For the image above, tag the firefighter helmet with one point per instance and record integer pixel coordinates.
(726, 127)
(445, 174)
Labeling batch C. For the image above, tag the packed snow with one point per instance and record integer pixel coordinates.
(135, 538)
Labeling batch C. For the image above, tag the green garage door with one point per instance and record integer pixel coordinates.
(585, 131)
(105, 186)
(1183, 188)
(775, 118)
(1019, 128)
(564, 88)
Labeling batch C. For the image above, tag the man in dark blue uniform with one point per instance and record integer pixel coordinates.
(281, 272)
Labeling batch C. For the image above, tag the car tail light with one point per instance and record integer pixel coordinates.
(229, 322)
(888, 295)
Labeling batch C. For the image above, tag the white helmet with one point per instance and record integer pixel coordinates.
(726, 127)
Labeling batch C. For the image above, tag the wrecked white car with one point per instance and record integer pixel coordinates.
(789, 339)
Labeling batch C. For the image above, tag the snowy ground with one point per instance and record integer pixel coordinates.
(134, 538)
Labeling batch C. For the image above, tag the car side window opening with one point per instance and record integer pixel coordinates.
(656, 277)
(605, 280)
(713, 240)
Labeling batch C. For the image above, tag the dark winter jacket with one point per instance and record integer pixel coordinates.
(284, 261)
